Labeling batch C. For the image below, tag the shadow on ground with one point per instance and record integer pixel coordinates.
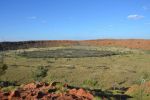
(108, 94)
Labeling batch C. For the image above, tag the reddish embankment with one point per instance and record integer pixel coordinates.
(45, 91)
(129, 43)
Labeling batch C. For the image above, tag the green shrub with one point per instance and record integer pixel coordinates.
(97, 98)
(92, 83)
(8, 89)
(40, 73)
(3, 69)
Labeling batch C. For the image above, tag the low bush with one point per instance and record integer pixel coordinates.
(3, 69)
(92, 83)
(40, 73)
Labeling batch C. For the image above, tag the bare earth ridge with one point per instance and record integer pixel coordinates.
(129, 43)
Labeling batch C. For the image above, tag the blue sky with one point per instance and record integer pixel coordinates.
(74, 19)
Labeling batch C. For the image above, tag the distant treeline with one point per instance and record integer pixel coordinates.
(34, 44)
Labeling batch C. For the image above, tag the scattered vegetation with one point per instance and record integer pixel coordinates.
(87, 67)
(40, 73)
(90, 83)
(3, 66)
(8, 88)
(3, 69)
(68, 53)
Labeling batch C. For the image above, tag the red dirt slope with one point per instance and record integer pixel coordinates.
(45, 91)
(129, 43)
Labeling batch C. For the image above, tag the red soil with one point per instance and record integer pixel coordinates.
(129, 43)
(135, 88)
(44, 91)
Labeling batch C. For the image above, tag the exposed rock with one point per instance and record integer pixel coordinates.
(45, 91)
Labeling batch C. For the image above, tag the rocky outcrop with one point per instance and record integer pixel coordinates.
(45, 91)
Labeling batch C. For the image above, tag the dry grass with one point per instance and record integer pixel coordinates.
(123, 70)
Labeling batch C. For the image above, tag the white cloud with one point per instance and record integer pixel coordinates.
(32, 17)
(135, 17)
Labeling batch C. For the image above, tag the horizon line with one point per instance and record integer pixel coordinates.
(74, 39)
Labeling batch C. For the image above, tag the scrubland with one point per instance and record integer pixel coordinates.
(107, 68)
